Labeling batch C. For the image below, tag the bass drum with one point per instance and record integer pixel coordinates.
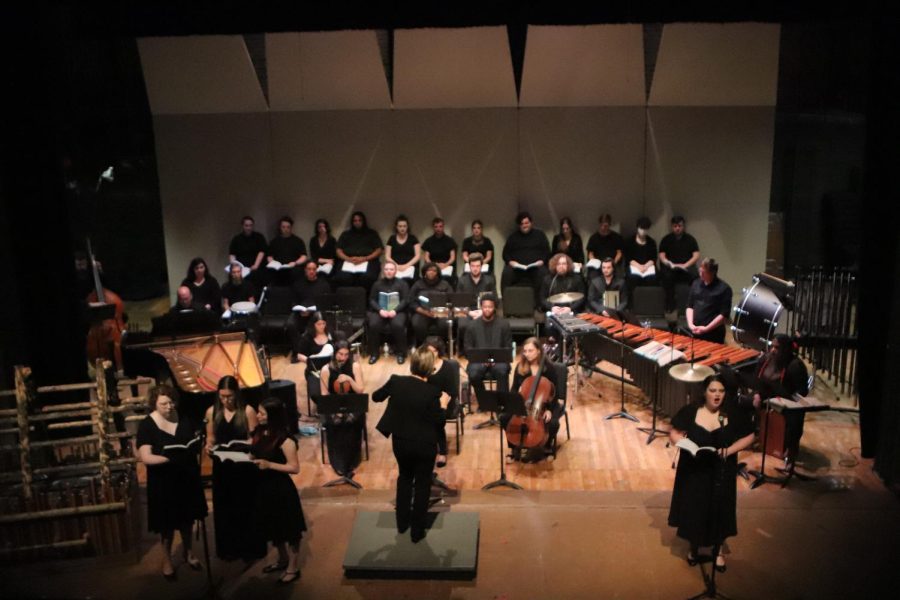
(756, 317)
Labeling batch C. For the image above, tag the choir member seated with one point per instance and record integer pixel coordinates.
(358, 248)
(604, 243)
(286, 251)
(678, 256)
(525, 253)
(249, 248)
(568, 242)
(640, 254)
(480, 244)
(440, 249)
(404, 250)
(323, 248)
(204, 287)
(388, 302)
(421, 302)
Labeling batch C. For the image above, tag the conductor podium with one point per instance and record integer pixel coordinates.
(377, 551)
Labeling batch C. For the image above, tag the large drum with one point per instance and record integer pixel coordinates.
(756, 317)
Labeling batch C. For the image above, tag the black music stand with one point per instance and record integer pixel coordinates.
(622, 413)
(357, 404)
(489, 356)
(514, 405)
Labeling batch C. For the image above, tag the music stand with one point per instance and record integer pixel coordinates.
(513, 404)
(357, 404)
(490, 357)
(622, 413)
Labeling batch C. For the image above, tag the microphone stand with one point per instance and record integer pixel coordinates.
(622, 413)
(211, 590)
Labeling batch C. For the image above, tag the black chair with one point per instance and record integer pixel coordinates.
(353, 301)
(275, 317)
(518, 309)
(561, 378)
(648, 303)
(456, 416)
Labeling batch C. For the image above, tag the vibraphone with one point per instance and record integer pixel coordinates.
(646, 373)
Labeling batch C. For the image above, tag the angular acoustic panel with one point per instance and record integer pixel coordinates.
(334, 70)
(596, 65)
(733, 64)
(453, 68)
(200, 74)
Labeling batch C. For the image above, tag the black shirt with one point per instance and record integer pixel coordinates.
(308, 291)
(570, 282)
(405, 252)
(208, 292)
(423, 288)
(470, 245)
(439, 247)
(679, 250)
(709, 300)
(327, 250)
(575, 250)
(605, 246)
(286, 249)
(599, 287)
(414, 409)
(246, 248)
(388, 286)
(238, 293)
(641, 254)
(526, 248)
(359, 242)
(486, 283)
(488, 334)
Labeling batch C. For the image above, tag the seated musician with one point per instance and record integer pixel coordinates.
(474, 282)
(358, 245)
(488, 331)
(678, 256)
(379, 316)
(423, 314)
(248, 248)
(562, 279)
(185, 302)
(709, 304)
(343, 375)
(783, 374)
(307, 291)
(604, 243)
(527, 365)
(204, 287)
(237, 289)
(525, 253)
(606, 282)
(640, 257)
(440, 249)
(286, 249)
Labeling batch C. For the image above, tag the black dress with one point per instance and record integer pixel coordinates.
(277, 513)
(234, 487)
(343, 430)
(174, 493)
(695, 494)
(403, 253)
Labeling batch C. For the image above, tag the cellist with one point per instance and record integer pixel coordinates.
(531, 363)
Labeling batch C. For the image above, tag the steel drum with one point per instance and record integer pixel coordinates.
(756, 317)
(243, 309)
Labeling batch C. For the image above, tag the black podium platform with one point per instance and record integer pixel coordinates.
(377, 551)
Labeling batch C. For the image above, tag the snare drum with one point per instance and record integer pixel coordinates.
(756, 317)
(243, 309)
(441, 312)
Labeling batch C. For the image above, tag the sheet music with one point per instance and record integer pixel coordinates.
(325, 268)
(447, 271)
(349, 267)
(594, 263)
(485, 268)
(407, 273)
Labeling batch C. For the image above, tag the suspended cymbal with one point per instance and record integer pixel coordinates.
(690, 374)
(565, 298)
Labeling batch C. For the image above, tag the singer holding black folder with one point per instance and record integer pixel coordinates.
(169, 446)
(705, 494)
(413, 413)
(228, 425)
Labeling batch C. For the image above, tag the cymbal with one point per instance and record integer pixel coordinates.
(565, 298)
(690, 373)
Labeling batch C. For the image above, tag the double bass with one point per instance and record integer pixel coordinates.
(104, 338)
(530, 431)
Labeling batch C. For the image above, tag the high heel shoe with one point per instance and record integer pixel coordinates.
(441, 461)
(721, 568)
(289, 577)
(692, 559)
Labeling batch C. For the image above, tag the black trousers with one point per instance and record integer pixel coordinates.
(478, 371)
(532, 278)
(422, 324)
(671, 278)
(416, 462)
(396, 327)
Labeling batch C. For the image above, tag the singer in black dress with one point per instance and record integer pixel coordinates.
(174, 493)
(234, 483)
(277, 513)
(703, 512)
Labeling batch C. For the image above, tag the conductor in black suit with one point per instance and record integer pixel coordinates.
(411, 418)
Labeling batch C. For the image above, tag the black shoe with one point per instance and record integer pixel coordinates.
(294, 359)
(417, 535)
(720, 568)
(401, 358)
(441, 462)
(692, 559)
(373, 359)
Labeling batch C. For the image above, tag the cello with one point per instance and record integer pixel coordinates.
(104, 338)
(530, 431)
